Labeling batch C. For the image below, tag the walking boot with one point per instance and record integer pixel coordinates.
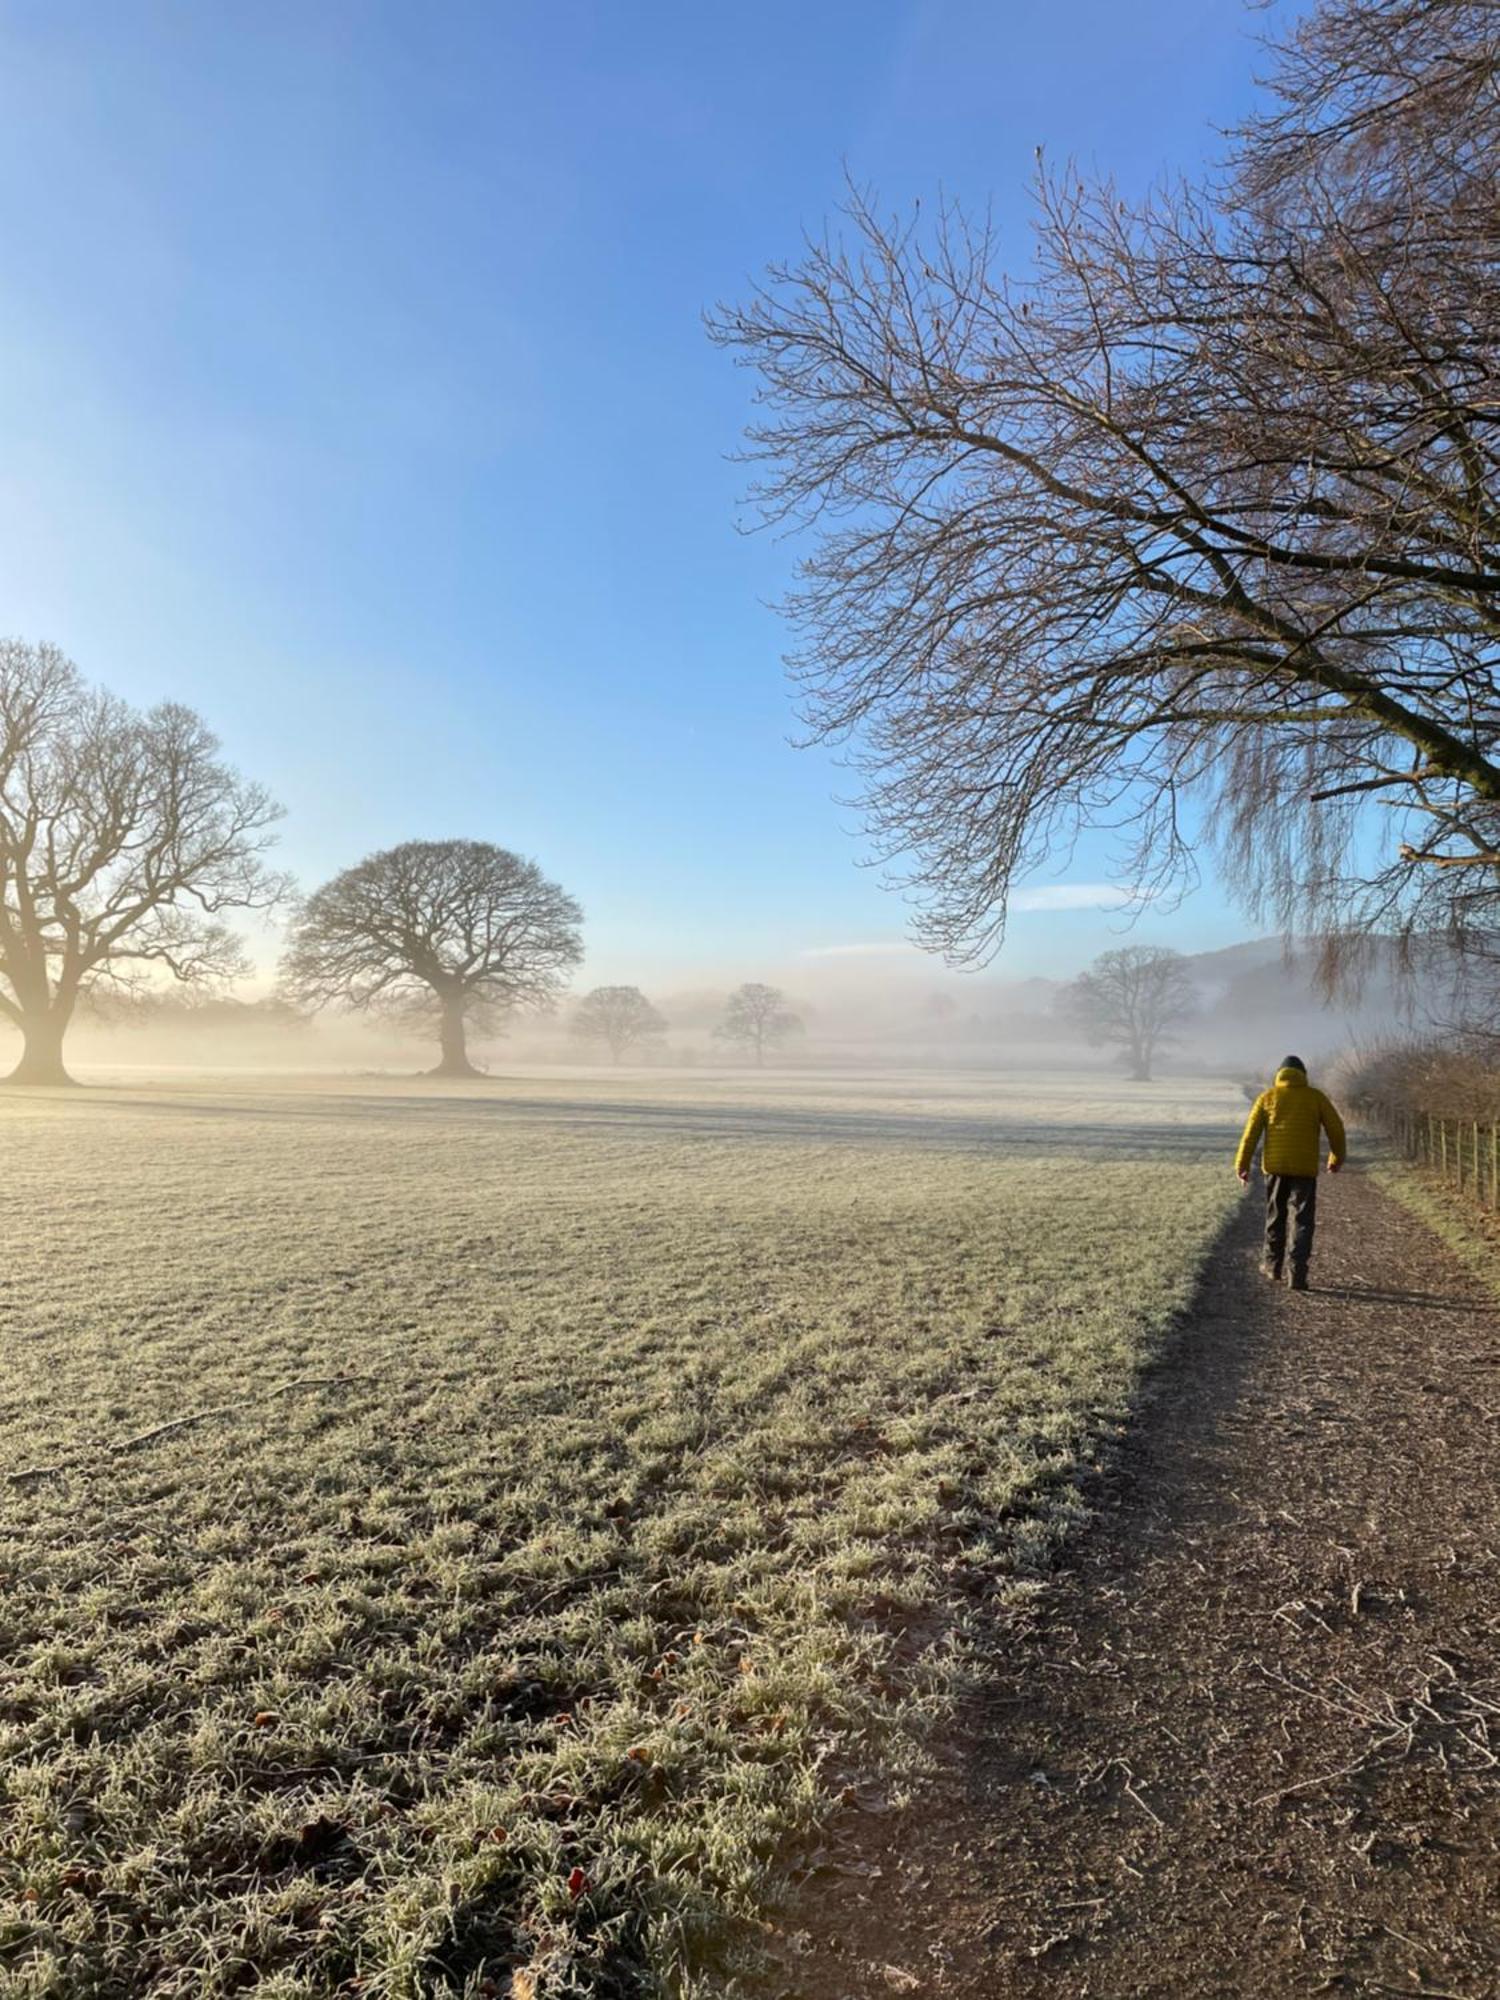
(1271, 1272)
(1299, 1281)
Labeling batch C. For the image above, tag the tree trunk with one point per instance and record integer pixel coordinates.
(455, 1046)
(42, 1056)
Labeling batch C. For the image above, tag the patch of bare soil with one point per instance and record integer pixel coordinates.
(1248, 1742)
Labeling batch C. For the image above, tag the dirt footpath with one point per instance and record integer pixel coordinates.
(1249, 1744)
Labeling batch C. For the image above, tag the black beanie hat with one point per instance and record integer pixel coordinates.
(1294, 1062)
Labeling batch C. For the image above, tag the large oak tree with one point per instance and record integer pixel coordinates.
(1193, 528)
(457, 930)
(124, 842)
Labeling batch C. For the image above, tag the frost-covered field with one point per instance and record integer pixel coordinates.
(587, 1480)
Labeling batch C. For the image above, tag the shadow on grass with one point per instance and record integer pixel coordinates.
(633, 1119)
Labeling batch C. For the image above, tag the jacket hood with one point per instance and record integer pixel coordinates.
(1292, 1074)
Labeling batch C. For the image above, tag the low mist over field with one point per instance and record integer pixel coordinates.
(852, 1010)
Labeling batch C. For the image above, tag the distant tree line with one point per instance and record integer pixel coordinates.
(126, 842)
(756, 1021)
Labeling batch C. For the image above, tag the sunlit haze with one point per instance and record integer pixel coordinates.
(355, 391)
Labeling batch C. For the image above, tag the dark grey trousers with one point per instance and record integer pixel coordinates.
(1295, 1195)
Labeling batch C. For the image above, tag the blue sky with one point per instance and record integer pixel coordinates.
(354, 390)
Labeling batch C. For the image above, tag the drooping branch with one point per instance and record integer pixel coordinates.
(1204, 515)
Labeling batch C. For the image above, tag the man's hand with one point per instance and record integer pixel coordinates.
(1334, 1165)
(1244, 1173)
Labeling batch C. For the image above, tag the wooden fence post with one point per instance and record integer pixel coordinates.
(1443, 1144)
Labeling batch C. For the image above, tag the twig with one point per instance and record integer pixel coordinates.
(228, 1409)
(1133, 1793)
(1424, 1992)
(1327, 1777)
(1356, 1709)
(120, 1446)
(1119, 1764)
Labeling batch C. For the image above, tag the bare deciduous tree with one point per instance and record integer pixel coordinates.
(455, 929)
(123, 843)
(1132, 999)
(1206, 510)
(757, 1018)
(619, 1016)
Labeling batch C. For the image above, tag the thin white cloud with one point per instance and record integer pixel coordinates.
(1073, 896)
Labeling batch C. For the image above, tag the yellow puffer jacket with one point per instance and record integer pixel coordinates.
(1290, 1114)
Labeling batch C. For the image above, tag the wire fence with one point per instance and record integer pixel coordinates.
(1464, 1152)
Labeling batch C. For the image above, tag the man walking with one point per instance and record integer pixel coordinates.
(1292, 1115)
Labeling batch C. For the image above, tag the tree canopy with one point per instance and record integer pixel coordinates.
(1195, 528)
(757, 1018)
(124, 843)
(455, 930)
(621, 1017)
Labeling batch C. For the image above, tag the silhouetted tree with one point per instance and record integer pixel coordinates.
(757, 1018)
(452, 928)
(123, 842)
(1208, 508)
(619, 1016)
(1132, 999)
